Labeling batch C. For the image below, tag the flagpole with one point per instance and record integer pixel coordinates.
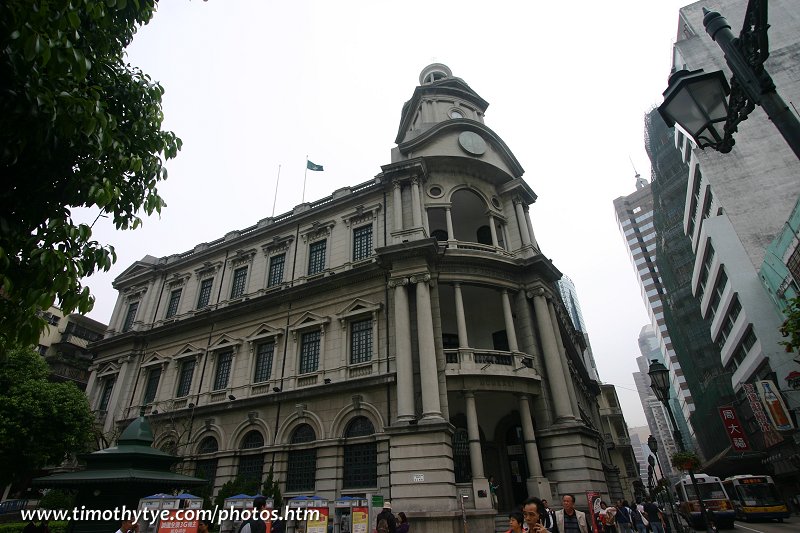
(275, 199)
(304, 182)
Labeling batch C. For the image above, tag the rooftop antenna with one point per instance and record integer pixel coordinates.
(636, 174)
(640, 181)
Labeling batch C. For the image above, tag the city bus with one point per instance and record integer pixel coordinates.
(755, 498)
(714, 496)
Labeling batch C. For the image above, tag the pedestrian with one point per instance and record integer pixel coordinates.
(386, 514)
(655, 516)
(569, 519)
(516, 521)
(203, 526)
(255, 524)
(493, 486)
(638, 520)
(530, 511)
(548, 516)
(624, 518)
(402, 523)
(127, 526)
(608, 518)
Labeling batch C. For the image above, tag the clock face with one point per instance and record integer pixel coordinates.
(472, 143)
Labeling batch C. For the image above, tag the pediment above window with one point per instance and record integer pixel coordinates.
(277, 245)
(188, 350)
(358, 307)
(317, 230)
(155, 359)
(361, 214)
(207, 269)
(241, 257)
(262, 332)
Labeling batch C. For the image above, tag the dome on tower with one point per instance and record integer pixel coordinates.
(434, 72)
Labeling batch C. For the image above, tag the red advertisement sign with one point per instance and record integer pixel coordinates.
(771, 437)
(734, 428)
(593, 498)
(172, 525)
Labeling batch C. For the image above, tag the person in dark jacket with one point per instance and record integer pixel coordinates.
(386, 514)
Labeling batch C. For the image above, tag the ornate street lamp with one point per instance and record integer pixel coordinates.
(659, 382)
(696, 100)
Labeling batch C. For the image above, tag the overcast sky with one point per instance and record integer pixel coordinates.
(251, 85)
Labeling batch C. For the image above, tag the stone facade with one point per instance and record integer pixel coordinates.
(402, 337)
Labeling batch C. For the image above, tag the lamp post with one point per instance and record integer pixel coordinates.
(652, 443)
(659, 382)
(696, 100)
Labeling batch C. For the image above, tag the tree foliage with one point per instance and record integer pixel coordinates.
(41, 423)
(272, 489)
(238, 485)
(790, 329)
(79, 128)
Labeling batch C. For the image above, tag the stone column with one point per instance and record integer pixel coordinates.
(552, 358)
(402, 342)
(416, 208)
(90, 385)
(530, 227)
(474, 434)
(573, 398)
(405, 367)
(449, 218)
(536, 482)
(511, 333)
(522, 224)
(398, 206)
(113, 411)
(479, 481)
(493, 230)
(463, 339)
(428, 371)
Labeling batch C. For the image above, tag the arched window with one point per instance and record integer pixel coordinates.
(208, 445)
(170, 447)
(302, 468)
(463, 470)
(251, 466)
(468, 213)
(360, 456)
(207, 468)
(252, 440)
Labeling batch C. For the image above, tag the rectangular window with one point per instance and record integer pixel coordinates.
(130, 316)
(108, 388)
(251, 467)
(239, 279)
(302, 470)
(153, 377)
(309, 352)
(205, 293)
(223, 370)
(361, 341)
(174, 300)
(275, 276)
(185, 378)
(316, 258)
(793, 264)
(264, 353)
(360, 466)
(362, 242)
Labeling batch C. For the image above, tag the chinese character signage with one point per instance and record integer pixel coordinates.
(771, 437)
(734, 429)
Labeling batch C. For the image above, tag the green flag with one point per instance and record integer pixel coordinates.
(312, 166)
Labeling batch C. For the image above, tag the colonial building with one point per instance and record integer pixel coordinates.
(402, 337)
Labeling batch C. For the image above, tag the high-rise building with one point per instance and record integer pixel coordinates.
(569, 294)
(735, 205)
(635, 218)
(708, 381)
(654, 411)
(402, 337)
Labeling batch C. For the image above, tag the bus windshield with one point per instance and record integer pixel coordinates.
(758, 494)
(709, 491)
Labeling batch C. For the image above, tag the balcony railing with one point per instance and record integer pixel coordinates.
(477, 360)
